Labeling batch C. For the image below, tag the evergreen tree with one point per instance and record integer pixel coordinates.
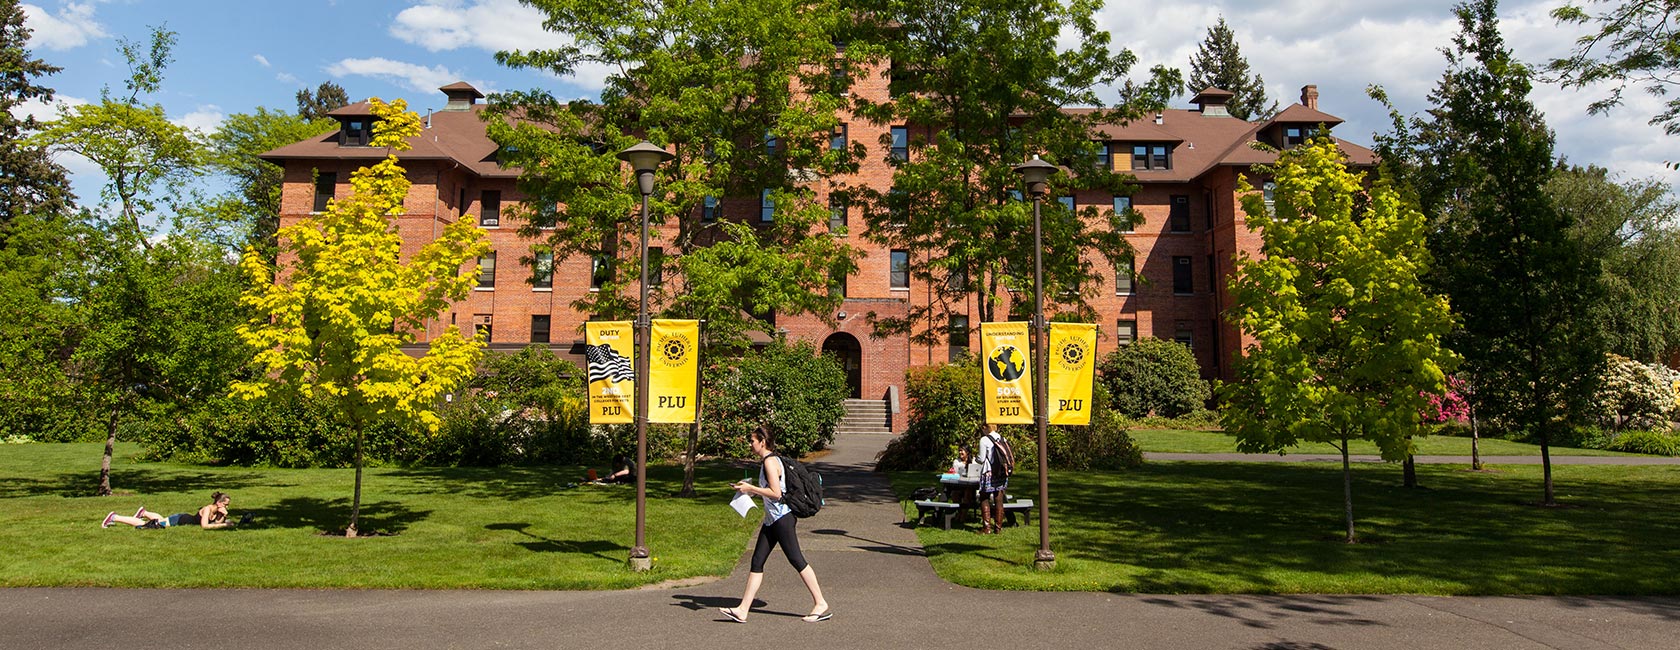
(1527, 292)
(327, 98)
(1219, 63)
(30, 182)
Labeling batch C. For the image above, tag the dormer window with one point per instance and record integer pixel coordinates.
(1294, 136)
(357, 132)
(1151, 157)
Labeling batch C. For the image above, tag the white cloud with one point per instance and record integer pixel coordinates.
(261, 60)
(203, 119)
(44, 111)
(72, 27)
(489, 25)
(413, 76)
(289, 78)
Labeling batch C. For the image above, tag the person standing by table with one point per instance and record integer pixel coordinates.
(991, 487)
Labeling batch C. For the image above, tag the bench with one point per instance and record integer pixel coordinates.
(1023, 506)
(945, 510)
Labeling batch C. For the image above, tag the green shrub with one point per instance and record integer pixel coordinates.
(945, 408)
(798, 392)
(1154, 377)
(1102, 445)
(1647, 442)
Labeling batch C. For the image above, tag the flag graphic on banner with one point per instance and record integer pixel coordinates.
(612, 374)
(1007, 379)
(1072, 369)
(674, 363)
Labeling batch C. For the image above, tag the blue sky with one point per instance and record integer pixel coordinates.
(232, 57)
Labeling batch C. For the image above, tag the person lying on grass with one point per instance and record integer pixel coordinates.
(624, 471)
(214, 515)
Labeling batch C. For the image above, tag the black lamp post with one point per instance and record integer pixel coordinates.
(643, 158)
(1035, 173)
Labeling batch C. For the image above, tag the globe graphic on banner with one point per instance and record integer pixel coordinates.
(1006, 363)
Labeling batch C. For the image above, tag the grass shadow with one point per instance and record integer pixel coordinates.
(318, 514)
(129, 481)
(610, 551)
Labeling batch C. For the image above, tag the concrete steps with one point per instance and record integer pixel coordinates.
(865, 416)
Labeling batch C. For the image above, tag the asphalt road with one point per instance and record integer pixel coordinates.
(883, 592)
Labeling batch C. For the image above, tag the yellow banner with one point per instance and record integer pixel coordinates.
(1073, 349)
(611, 352)
(1007, 372)
(675, 369)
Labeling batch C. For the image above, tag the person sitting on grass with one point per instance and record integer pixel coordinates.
(624, 471)
(214, 515)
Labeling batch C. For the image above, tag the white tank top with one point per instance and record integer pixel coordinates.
(773, 508)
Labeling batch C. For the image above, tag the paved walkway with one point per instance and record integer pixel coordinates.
(882, 589)
(1427, 460)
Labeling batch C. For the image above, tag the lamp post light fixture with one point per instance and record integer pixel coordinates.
(1035, 174)
(643, 158)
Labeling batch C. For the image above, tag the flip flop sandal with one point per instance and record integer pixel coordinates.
(731, 614)
(817, 618)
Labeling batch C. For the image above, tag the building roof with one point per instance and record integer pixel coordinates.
(456, 136)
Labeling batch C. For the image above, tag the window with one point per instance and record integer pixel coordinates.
(770, 143)
(600, 272)
(1212, 275)
(766, 207)
(1183, 335)
(656, 266)
(1123, 212)
(1067, 203)
(1293, 137)
(1150, 157)
(1104, 159)
(1182, 276)
(1269, 193)
(487, 271)
(898, 208)
(958, 336)
(490, 208)
(481, 326)
(900, 143)
(542, 270)
(325, 184)
(357, 132)
(708, 209)
(1179, 219)
(836, 211)
(461, 204)
(837, 141)
(837, 282)
(899, 274)
(539, 327)
(1124, 278)
(957, 280)
(1125, 331)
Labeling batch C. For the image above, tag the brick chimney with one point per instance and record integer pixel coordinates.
(1309, 96)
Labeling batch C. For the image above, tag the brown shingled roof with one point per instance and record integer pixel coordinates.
(457, 136)
(1297, 113)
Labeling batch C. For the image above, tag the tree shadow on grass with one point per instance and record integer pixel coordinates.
(605, 550)
(514, 483)
(130, 481)
(316, 515)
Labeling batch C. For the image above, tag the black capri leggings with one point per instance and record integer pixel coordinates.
(782, 532)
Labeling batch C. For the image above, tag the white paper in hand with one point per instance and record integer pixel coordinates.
(741, 503)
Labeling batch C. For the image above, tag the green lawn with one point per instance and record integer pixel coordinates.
(1215, 442)
(498, 528)
(1192, 527)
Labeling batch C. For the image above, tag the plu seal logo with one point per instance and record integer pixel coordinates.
(1006, 363)
(1072, 354)
(673, 350)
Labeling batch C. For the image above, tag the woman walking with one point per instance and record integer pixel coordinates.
(778, 528)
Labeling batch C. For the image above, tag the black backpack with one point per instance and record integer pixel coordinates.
(1003, 458)
(803, 488)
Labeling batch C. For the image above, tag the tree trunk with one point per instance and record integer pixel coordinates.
(1475, 443)
(356, 501)
(1347, 490)
(688, 458)
(1408, 472)
(1546, 461)
(110, 446)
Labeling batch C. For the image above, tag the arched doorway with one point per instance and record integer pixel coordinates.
(845, 349)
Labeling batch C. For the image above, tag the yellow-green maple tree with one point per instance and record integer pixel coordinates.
(332, 315)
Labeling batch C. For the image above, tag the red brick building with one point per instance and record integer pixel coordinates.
(1192, 230)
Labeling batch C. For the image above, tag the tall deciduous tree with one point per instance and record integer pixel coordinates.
(1347, 341)
(330, 321)
(1633, 42)
(252, 211)
(1632, 230)
(30, 181)
(327, 98)
(132, 142)
(1219, 63)
(983, 86)
(1526, 291)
